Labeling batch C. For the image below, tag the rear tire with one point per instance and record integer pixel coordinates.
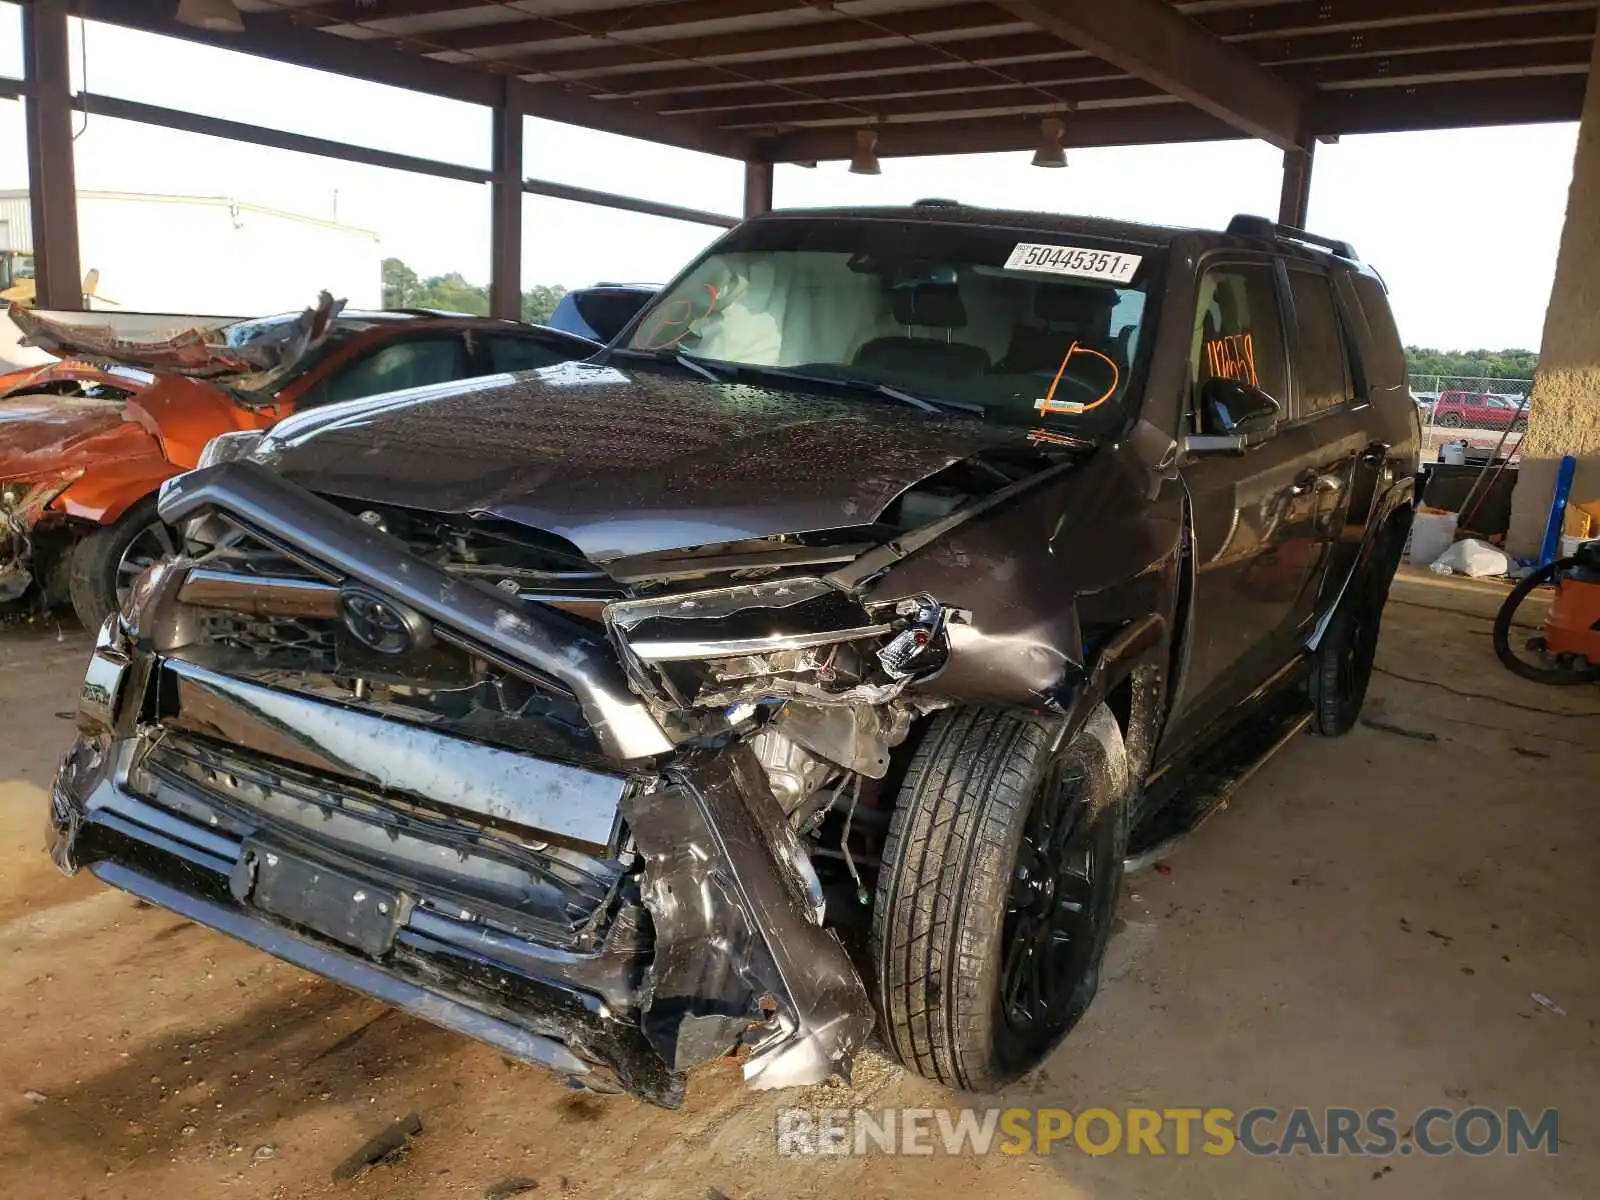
(999, 878)
(106, 562)
(1340, 668)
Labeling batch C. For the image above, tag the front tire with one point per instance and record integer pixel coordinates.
(105, 564)
(995, 899)
(1450, 421)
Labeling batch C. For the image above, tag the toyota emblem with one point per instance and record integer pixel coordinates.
(380, 624)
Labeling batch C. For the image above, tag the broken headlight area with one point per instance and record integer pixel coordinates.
(795, 639)
(814, 685)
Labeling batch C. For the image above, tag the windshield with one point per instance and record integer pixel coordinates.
(1037, 329)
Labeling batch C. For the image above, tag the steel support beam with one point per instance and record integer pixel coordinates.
(757, 188)
(583, 195)
(1295, 198)
(52, 178)
(1152, 40)
(505, 211)
(1140, 126)
(278, 139)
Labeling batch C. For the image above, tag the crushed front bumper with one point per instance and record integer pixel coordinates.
(726, 952)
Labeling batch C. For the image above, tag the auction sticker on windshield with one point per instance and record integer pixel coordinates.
(1074, 260)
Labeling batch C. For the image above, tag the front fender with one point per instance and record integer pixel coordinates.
(108, 489)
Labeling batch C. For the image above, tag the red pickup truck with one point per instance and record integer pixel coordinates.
(1479, 410)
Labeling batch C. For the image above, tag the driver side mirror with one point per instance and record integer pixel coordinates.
(1234, 415)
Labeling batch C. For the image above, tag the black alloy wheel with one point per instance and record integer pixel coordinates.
(1062, 889)
(996, 892)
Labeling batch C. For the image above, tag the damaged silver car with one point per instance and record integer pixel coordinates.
(810, 661)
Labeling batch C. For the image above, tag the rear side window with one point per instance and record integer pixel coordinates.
(1321, 370)
(398, 365)
(607, 312)
(1387, 365)
(509, 354)
(1238, 332)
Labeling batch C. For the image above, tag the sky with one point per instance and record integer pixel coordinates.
(1432, 211)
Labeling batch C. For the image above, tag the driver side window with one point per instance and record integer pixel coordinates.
(1238, 329)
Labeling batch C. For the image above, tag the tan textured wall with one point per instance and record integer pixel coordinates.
(1564, 414)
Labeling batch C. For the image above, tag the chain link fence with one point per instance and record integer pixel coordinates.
(1489, 415)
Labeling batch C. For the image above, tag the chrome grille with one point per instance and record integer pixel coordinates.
(311, 644)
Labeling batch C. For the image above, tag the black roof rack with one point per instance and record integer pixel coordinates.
(1246, 225)
(936, 202)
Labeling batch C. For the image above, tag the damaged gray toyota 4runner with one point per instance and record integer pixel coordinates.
(811, 660)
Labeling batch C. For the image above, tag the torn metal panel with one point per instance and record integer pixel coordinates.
(245, 361)
(738, 958)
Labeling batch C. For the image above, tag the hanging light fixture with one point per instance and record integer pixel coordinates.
(218, 16)
(865, 160)
(1050, 152)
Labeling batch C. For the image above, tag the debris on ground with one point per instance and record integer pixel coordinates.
(389, 1144)
(264, 1152)
(512, 1185)
(1163, 868)
(1421, 735)
(1547, 1004)
(33, 1097)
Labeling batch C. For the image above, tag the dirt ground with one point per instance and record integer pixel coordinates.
(1366, 925)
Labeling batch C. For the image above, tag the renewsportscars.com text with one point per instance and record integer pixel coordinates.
(1261, 1131)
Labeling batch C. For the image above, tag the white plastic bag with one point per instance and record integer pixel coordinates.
(1472, 557)
(1431, 535)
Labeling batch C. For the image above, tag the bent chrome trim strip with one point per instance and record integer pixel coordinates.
(554, 800)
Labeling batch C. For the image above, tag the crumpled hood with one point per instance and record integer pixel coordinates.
(626, 463)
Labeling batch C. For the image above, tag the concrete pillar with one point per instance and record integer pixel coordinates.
(1564, 413)
(505, 209)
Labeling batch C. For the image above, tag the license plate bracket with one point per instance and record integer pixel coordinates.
(335, 903)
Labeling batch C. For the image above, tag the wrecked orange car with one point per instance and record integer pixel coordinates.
(86, 442)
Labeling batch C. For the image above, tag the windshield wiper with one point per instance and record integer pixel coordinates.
(687, 361)
(930, 404)
(718, 371)
(927, 404)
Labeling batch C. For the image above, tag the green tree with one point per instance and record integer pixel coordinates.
(451, 292)
(401, 287)
(1472, 364)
